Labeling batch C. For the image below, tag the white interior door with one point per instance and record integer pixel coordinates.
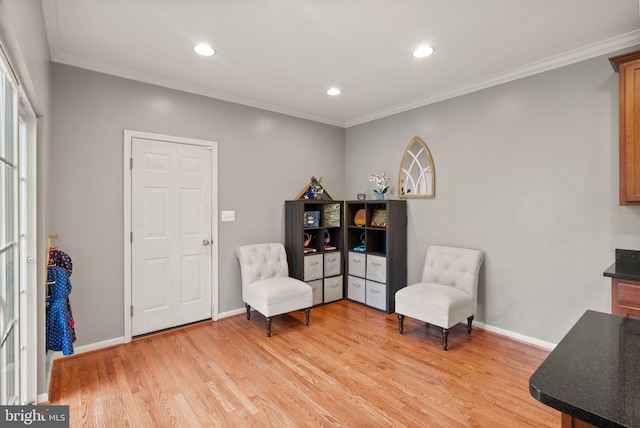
(171, 244)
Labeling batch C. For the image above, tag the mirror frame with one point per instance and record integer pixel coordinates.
(416, 149)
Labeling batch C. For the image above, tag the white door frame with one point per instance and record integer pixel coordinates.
(128, 138)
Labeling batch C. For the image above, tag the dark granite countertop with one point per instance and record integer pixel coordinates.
(594, 372)
(626, 266)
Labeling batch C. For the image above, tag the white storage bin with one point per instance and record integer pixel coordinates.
(316, 286)
(357, 264)
(332, 263)
(377, 268)
(356, 289)
(332, 288)
(376, 295)
(313, 267)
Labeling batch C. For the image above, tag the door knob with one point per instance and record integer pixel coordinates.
(206, 242)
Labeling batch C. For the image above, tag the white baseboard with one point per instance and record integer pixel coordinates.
(91, 347)
(508, 333)
(120, 340)
(232, 313)
(517, 336)
(44, 397)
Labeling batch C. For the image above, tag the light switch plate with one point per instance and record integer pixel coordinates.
(227, 216)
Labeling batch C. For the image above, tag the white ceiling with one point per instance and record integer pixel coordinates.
(282, 55)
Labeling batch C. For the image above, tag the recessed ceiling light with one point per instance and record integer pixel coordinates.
(423, 51)
(333, 91)
(204, 50)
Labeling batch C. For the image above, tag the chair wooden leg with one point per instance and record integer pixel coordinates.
(246, 305)
(469, 321)
(268, 326)
(306, 316)
(401, 323)
(445, 335)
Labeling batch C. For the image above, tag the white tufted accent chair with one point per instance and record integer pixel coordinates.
(266, 285)
(448, 292)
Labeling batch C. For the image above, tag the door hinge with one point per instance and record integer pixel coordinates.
(130, 163)
(131, 237)
(131, 311)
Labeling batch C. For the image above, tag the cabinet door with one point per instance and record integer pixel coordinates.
(630, 134)
(332, 263)
(629, 293)
(313, 267)
(316, 287)
(376, 295)
(356, 289)
(625, 298)
(332, 288)
(357, 264)
(629, 311)
(376, 268)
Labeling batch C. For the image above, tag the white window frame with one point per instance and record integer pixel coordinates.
(25, 123)
(28, 243)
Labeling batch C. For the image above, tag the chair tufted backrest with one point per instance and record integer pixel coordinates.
(262, 261)
(455, 267)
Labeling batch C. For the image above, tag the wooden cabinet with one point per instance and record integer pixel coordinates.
(628, 67)
(313, 240)
(568, 421)
(376, 245)
(625, 298)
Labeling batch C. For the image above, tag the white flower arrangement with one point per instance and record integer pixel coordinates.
(381, 182)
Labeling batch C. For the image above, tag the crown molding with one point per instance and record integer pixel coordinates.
(567, 58)
(51, 26)
(49, 8)
(50, 13)
(159, 80)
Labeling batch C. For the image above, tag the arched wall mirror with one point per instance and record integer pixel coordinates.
(417, 177)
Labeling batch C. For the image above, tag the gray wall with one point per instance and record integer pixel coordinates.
(527, 172)
(264, 159)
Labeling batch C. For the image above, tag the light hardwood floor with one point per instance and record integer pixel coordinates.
(350, 367)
